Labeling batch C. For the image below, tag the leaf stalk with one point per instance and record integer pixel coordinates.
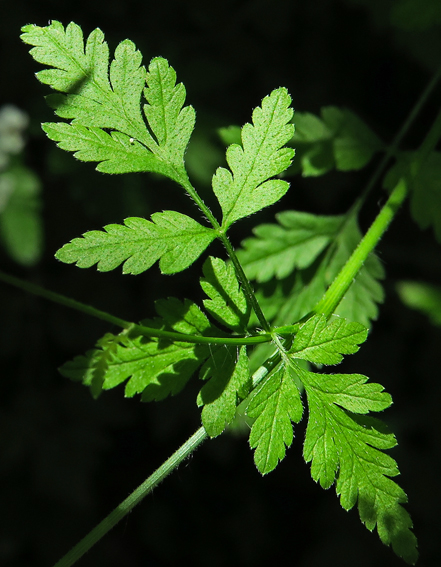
(135, 498)
(141, 329)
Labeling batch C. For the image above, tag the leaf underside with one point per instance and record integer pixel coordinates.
(129, 119)
(347, 448)
(174, 239)
(228, 303)
(343, 443)
(295, 260)
(249, 184)
(103, 103)
(229, 382)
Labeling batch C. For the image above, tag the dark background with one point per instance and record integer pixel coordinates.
(66, 460)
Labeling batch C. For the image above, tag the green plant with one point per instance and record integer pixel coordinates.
(317, 280)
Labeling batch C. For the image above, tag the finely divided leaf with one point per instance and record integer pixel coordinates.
(156, 367)
(324, 343)
(229, 382)
(290, 299)
(152, 367)
(184, 317)
(115, 152)
(170, 121)
(228, 303)
(344, 446)
(287, 252)
(294, 243)
(248, 187)
(174, 239)
(98, 99)
(275, 404)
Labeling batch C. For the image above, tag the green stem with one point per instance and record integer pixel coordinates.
(135, 498)
(344, 279)
(200, 203)
(141, 329)
(246, 285)
(152, 481)
(231, 253)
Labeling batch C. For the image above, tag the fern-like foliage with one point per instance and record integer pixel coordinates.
(104, 104)
(228, 303)
(173, 238)
(129, 119)
(248, 187)
(276, 250)
(342, 443)
(155, 368)
(295, 260)
(337, 139)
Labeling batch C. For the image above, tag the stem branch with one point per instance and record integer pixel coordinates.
(245, 283)
(135, 498)
(231, 253)
(141, 329)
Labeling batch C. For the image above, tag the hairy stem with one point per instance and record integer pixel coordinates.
(201, 204)
(231, 253)
(141, 329)
(245, 282)
(135, 498)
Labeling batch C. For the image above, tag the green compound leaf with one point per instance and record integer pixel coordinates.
(115, 152)
(155, 368)
(345, 447)
(99, 98)
(229, 382)
(171, 122)
(228, 303)
(274, 405)
(287, 297)
(338, 139)
(248, 187)
(324, 343)
(277, 250)
(174, 239)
